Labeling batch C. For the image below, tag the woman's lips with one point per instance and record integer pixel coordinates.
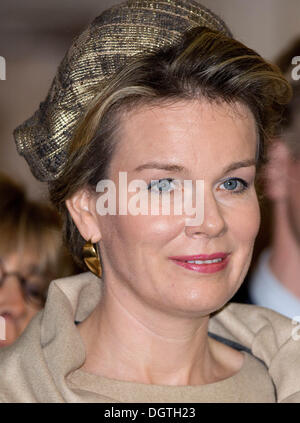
(7, 316)
(204, 267)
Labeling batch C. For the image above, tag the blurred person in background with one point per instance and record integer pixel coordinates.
(275, 281)
(31, 255)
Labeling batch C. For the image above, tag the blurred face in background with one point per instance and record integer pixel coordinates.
(31, 255)
(21, 290)
(293, 185)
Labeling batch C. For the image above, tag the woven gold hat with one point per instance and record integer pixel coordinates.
(135, 26)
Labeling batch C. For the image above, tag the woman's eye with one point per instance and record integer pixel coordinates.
(33, 288)
(33, 291)
(162, 185)
(34, 295)
(236, 185)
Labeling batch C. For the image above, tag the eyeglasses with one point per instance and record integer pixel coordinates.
(31, 286)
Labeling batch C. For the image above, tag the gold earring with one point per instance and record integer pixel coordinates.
(91, 258)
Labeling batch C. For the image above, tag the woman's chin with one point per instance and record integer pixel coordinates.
(197, 305)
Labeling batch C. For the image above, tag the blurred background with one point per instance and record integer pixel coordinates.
(34, 36)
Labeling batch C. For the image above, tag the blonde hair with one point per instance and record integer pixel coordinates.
(205, 65)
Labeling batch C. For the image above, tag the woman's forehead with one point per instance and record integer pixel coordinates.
(186, 131)
(26, 262)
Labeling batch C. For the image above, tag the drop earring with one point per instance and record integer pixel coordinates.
(91, 258)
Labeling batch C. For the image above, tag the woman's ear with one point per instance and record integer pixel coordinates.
(276, 171)
(82, 208)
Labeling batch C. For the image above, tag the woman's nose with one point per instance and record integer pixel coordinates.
(12, 299)
(213, 222)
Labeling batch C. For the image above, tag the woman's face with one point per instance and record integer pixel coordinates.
(14, 309)
(188, 140)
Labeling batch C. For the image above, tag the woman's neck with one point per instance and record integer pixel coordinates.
(136, 343)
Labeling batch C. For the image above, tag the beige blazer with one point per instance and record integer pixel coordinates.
(42, 365)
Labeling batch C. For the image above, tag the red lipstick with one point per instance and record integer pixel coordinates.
(203, 267)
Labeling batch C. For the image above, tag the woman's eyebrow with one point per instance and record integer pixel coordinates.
(238, 165)
(178, 168)
(162, 166)
(32, 269)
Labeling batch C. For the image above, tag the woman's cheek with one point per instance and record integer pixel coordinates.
(133, 231)
(245, 219)
(242, 215)
(154, 228)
